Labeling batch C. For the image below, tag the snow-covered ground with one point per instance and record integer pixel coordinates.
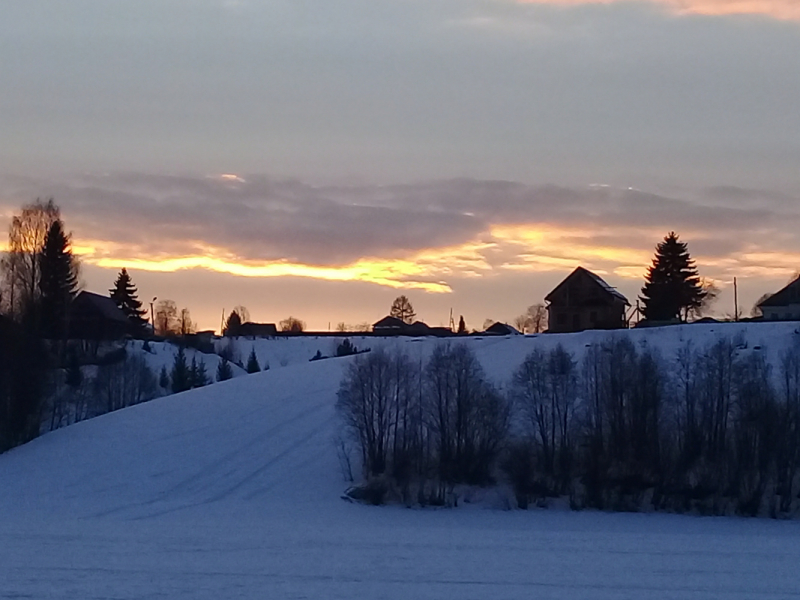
(233, 491)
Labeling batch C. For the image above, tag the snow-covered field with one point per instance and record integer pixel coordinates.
(233, 491)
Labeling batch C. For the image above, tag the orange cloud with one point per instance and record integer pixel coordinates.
(787, 10)
(621, 250)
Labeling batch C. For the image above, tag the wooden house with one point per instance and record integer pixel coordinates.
(257, 330)
(584, 301)
(96, 317)
(394, 326)
(783, 305)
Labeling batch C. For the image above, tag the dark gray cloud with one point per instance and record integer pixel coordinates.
(266, 219)
(400, 90)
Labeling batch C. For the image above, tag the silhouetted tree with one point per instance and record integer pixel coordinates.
(201, 374)
(163, 378)
(125, 296)
(672, 285)
(21, 264)
(346, 348)
(224, 370)
(58, 281)
(167, 322)
(181, 375)
(185, 324)
(233, 323)
(756, 310)
(462, 326)
(252, 362)
(533, 320)
(290, 324)
(73, 376)
(403, 310)
(197, 373)
(22, 379)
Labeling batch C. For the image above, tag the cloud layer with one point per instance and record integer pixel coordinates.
(777, 9)
(424, 235)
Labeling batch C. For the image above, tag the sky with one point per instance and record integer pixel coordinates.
(317, 159)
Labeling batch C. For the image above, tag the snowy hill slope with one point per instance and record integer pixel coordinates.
(233, 490)
(264, 437)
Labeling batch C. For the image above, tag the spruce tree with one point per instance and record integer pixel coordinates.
(125, 296)
(73, 375)
(181, 375)
(252, 362)
(233, 324)
(193, 373)
(163, 379)
(224, 371)
(200, 374)
(462, 326)
(58, 283)
(672, 285)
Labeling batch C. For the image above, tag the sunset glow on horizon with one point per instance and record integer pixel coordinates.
(320, 160)
(786, 10)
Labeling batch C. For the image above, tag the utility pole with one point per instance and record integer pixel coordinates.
(152, 314)
(735, 300)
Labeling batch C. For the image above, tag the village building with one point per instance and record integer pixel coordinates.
(584, 301)
(257, 330)
(96, 317)
(500, 329)
(783, 305)
(393, 326)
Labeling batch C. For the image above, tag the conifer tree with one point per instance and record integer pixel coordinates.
(252, 362)
(193, 373)
(233, 324)
(462, 326)
(125, 295)
(224, 370)
(58, 283)
(181, 375)
(163, 379)
(672, 285)
(73, 375)
(200, 374)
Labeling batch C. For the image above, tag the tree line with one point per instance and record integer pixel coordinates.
(42, 383)
(713, 429)
(38, 281)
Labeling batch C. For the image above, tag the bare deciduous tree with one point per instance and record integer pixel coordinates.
(403, 310)
(534, 320)
(185, 324)
(21, 265)
(292, 325)
(167, 320)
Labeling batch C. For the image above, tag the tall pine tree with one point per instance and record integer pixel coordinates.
(125, 295)
(181, 374)
(224, 370)
(58, 283)
(672, 286)
(252, 362)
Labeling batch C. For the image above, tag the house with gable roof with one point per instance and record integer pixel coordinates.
(585, 301)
